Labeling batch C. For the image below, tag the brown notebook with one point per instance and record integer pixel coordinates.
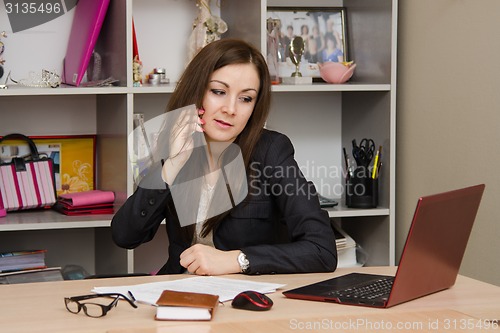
(179, 305)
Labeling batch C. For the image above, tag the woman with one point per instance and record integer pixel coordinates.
(279, 227)
(332, 52)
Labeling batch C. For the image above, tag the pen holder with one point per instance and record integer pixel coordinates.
(361, 190)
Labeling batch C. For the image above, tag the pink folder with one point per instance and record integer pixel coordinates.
(87, 198)
(87, 23)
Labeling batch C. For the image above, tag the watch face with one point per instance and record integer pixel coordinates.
(243, 261)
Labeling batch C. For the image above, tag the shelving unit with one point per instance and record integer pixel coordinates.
(320, 118)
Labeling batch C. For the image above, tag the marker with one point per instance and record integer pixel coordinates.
(375, 163)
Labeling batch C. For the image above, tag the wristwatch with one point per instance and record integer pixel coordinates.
(243, 261)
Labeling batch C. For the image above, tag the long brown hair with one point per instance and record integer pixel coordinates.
(194, 81)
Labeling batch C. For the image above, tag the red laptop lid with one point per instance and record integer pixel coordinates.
(436, 243)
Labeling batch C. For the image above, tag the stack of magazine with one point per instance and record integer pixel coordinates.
(26, 266)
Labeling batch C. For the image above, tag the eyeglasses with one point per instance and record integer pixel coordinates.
(95, 310)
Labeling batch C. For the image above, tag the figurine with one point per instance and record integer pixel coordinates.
(206, 28)
(137, 72)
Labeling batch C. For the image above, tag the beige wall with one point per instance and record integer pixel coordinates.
(448, 116)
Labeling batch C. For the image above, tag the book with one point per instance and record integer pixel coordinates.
(21, 260)
(87, 22)
(181, 305)
(32, 275)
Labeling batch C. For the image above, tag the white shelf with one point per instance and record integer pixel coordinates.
(331, 87)
(50, 219)
(15, 90)
(150, 89)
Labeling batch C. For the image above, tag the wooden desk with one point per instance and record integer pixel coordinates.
(467, 307)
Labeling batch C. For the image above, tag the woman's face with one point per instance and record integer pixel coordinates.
(229, 101)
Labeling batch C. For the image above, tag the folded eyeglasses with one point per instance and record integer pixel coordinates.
(95, 310)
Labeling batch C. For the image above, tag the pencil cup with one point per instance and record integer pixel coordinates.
(361, 191)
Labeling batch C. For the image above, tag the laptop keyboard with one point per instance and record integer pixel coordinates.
(369, 291)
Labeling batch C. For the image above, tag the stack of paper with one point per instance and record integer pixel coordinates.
(88, 202)
(346, 248)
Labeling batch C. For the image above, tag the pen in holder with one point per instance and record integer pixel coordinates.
(361, 189)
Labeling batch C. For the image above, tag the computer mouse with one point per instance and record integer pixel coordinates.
(252, 300)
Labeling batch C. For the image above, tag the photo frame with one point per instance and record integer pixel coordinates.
(74, 159)
(323, 29)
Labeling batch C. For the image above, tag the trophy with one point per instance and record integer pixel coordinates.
(296, 49)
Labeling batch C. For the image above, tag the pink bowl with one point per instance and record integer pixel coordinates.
(336, 72)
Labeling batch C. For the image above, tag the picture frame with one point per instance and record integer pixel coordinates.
(74, 159)
(321, 28)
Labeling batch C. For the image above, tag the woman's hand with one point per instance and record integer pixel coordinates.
(205, 260)
(181, 143)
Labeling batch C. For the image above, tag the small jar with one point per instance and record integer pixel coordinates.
(154, 79)
(163, 75)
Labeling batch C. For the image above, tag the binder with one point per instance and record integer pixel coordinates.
(87, 23)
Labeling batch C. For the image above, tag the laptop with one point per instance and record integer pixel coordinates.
(430, 261)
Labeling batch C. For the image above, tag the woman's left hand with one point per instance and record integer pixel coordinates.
(205, 260)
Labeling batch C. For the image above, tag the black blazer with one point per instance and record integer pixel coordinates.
(279, 226)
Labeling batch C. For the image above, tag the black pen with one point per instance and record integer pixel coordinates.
(346, 158)
(349, 172)
(132, 296)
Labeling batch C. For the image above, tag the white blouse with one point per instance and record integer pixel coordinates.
(205, 198)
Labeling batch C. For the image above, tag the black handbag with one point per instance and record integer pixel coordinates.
(26, 182)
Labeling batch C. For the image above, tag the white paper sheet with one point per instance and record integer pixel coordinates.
(227, 289)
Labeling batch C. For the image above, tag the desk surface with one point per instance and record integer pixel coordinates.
(469, 306)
